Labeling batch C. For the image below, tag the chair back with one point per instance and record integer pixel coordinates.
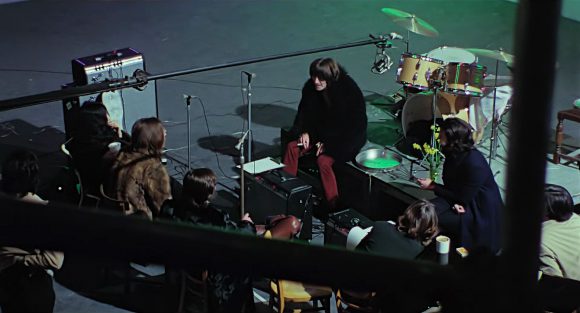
(355, 301)
(111, 202)
(193, 283)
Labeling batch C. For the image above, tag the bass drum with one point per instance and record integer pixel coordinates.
(417, 115)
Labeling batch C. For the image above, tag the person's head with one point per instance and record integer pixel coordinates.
(20, 173)
(558, 204)
(455, 135)
(199, 185)
(324, 72)
(420, 221)
(148, 135)
(93, 121)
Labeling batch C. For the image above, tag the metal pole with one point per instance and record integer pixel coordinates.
(133, 82)
(250, 134)
(494, 134)
(188, 103)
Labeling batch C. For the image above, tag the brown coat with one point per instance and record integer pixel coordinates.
(48, 260)
(141, 181)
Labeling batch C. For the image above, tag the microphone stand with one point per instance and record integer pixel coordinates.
(240, 146)
(249, 99)
(188, 104)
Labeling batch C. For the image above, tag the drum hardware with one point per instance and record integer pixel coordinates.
(383, 61)
(498, 55)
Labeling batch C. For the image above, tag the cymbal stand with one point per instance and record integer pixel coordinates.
(494, 120)
(408, 39)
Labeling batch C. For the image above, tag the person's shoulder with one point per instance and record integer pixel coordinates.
(308, 86)
(475, 156)
(33, 198)
(346, 80)
(384, 227)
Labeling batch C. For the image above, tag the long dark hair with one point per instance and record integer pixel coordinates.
(326, 69)
(93, 124)
(558, 204)
(458, 134)
(148, 136)
(20, 173)
(198, 186)
(419, 221)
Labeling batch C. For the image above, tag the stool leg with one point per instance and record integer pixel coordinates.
(559, 139)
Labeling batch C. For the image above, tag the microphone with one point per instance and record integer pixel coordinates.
(189, 97)
(241, 141)
(382, 63)
(250, 75)
(394, 36)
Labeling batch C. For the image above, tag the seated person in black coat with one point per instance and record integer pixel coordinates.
(94, 144)
(415, 229)
(469, 203)
(331, 123)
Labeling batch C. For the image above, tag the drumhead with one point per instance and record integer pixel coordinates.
(451, 54)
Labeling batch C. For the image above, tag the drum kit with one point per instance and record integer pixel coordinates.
(444, 82)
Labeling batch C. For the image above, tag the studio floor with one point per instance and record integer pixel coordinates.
(40, 38)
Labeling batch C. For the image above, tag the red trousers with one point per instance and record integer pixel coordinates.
(324, 162)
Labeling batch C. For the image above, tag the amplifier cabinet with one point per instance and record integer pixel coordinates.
(126, 105)
(340, 223)
(277, 192)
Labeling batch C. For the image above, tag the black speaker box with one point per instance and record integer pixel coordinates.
(126, 105)
(340, 223)
(277, 192)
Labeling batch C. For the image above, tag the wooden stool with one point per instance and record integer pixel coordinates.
(572, 115)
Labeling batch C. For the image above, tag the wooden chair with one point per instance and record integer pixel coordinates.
(571, 115)
(286, 291)
(195, 284)
(112, 203)
(353, 301)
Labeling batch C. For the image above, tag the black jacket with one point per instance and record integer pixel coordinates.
(468, 181)
(341, 124)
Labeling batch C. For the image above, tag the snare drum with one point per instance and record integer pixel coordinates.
(417, 70)
(464, 79)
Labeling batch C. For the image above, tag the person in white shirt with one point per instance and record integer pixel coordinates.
(560, 244)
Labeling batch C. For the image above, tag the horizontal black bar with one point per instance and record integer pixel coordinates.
(106, 234)
(77, 91)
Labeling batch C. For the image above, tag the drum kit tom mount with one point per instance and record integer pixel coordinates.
(441, 83)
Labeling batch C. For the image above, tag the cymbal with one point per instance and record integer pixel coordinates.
(411, 22)
(494, 54)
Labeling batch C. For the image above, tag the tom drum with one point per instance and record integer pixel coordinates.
(464, 79)
(416, 70)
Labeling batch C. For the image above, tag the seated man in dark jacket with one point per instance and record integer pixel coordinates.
(331, 122)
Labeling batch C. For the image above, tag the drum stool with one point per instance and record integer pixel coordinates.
(572, 115)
